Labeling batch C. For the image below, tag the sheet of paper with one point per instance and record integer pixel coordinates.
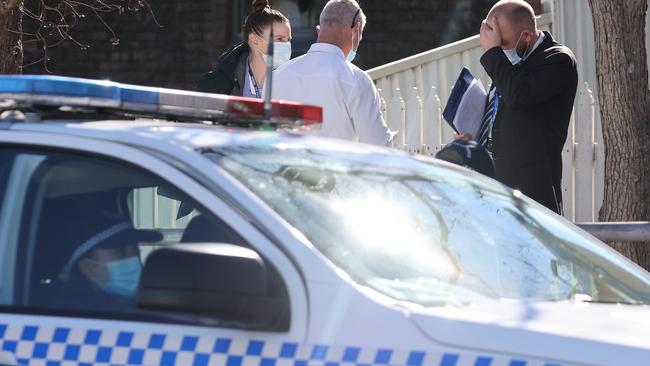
(471, 109)
(465, 107)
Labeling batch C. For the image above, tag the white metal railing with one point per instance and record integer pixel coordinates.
(414, 91)
(628, 232)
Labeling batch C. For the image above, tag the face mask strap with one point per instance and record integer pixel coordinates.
(527, 46)
(518, 40)
(354, 22)
(354, 51)
(258, 46)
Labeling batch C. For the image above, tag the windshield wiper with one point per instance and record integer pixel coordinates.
(636, 303)
(587, 299)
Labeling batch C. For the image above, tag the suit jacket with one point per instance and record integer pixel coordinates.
(531, 125)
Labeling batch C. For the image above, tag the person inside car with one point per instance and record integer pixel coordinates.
(103, 271)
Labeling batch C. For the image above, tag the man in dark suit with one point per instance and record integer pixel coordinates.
(535, 79)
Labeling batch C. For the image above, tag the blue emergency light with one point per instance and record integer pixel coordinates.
(39, 90)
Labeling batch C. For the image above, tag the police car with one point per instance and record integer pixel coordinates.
(142, 226)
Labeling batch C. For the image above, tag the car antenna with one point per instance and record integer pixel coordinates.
(268, 107)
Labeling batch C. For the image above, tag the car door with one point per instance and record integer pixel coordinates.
(77, 222)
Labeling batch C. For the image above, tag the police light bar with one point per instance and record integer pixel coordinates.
(40, 90)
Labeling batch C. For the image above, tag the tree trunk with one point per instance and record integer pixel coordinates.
(619, 28)
(11, 50)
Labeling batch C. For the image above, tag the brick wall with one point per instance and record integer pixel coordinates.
(397, 29)
(191, 35)
(195, 32)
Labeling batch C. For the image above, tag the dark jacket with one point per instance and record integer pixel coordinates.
(79, 294)
(227, 76)
(531, 125)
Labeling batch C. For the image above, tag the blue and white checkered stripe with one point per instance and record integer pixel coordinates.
(60, 346)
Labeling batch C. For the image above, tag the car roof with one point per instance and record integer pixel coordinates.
(168, 137)
(194, 136)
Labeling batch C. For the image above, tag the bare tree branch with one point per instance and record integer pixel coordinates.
(52, 22)
(8, 5)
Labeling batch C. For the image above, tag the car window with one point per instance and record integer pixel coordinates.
(6, 231)
(429, 234)
(5, 164)
(85, 225)
(150, 210)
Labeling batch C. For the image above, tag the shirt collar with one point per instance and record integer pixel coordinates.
(539, 41)
(326, 48)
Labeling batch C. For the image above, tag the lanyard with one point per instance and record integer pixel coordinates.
(258, 94)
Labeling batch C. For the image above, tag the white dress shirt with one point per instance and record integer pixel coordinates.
(351, 104)
(539, 41)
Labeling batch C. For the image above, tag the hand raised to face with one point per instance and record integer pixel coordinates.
(490, 33)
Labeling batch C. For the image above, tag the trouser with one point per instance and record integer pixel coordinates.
(537, 181)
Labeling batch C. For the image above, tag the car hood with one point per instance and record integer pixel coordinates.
(564, 332)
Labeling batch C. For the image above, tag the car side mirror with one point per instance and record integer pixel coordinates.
(224, 281)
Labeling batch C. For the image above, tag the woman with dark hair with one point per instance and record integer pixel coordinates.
(241, 70)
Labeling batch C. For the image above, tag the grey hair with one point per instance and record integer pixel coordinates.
(341, 13)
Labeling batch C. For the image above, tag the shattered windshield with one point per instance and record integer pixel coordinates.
(431, 235)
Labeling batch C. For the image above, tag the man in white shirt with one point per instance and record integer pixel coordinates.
(325, 76)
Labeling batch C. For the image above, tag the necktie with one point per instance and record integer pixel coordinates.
(485, 132)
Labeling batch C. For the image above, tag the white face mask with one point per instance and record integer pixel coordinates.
(353, 53)
(281, 54)
(512, 54)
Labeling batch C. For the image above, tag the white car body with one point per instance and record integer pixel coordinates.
(334, 321)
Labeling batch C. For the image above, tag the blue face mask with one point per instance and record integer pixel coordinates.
(353, 53)
(512, 54)
(123, 276)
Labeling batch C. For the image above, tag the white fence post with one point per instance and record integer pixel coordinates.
(385, 91)
(568, 165)
(383, 104)
(584, 164)
(406, 81)
(432, 122)
(396, 116)
(413, 131)
(599, 165)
